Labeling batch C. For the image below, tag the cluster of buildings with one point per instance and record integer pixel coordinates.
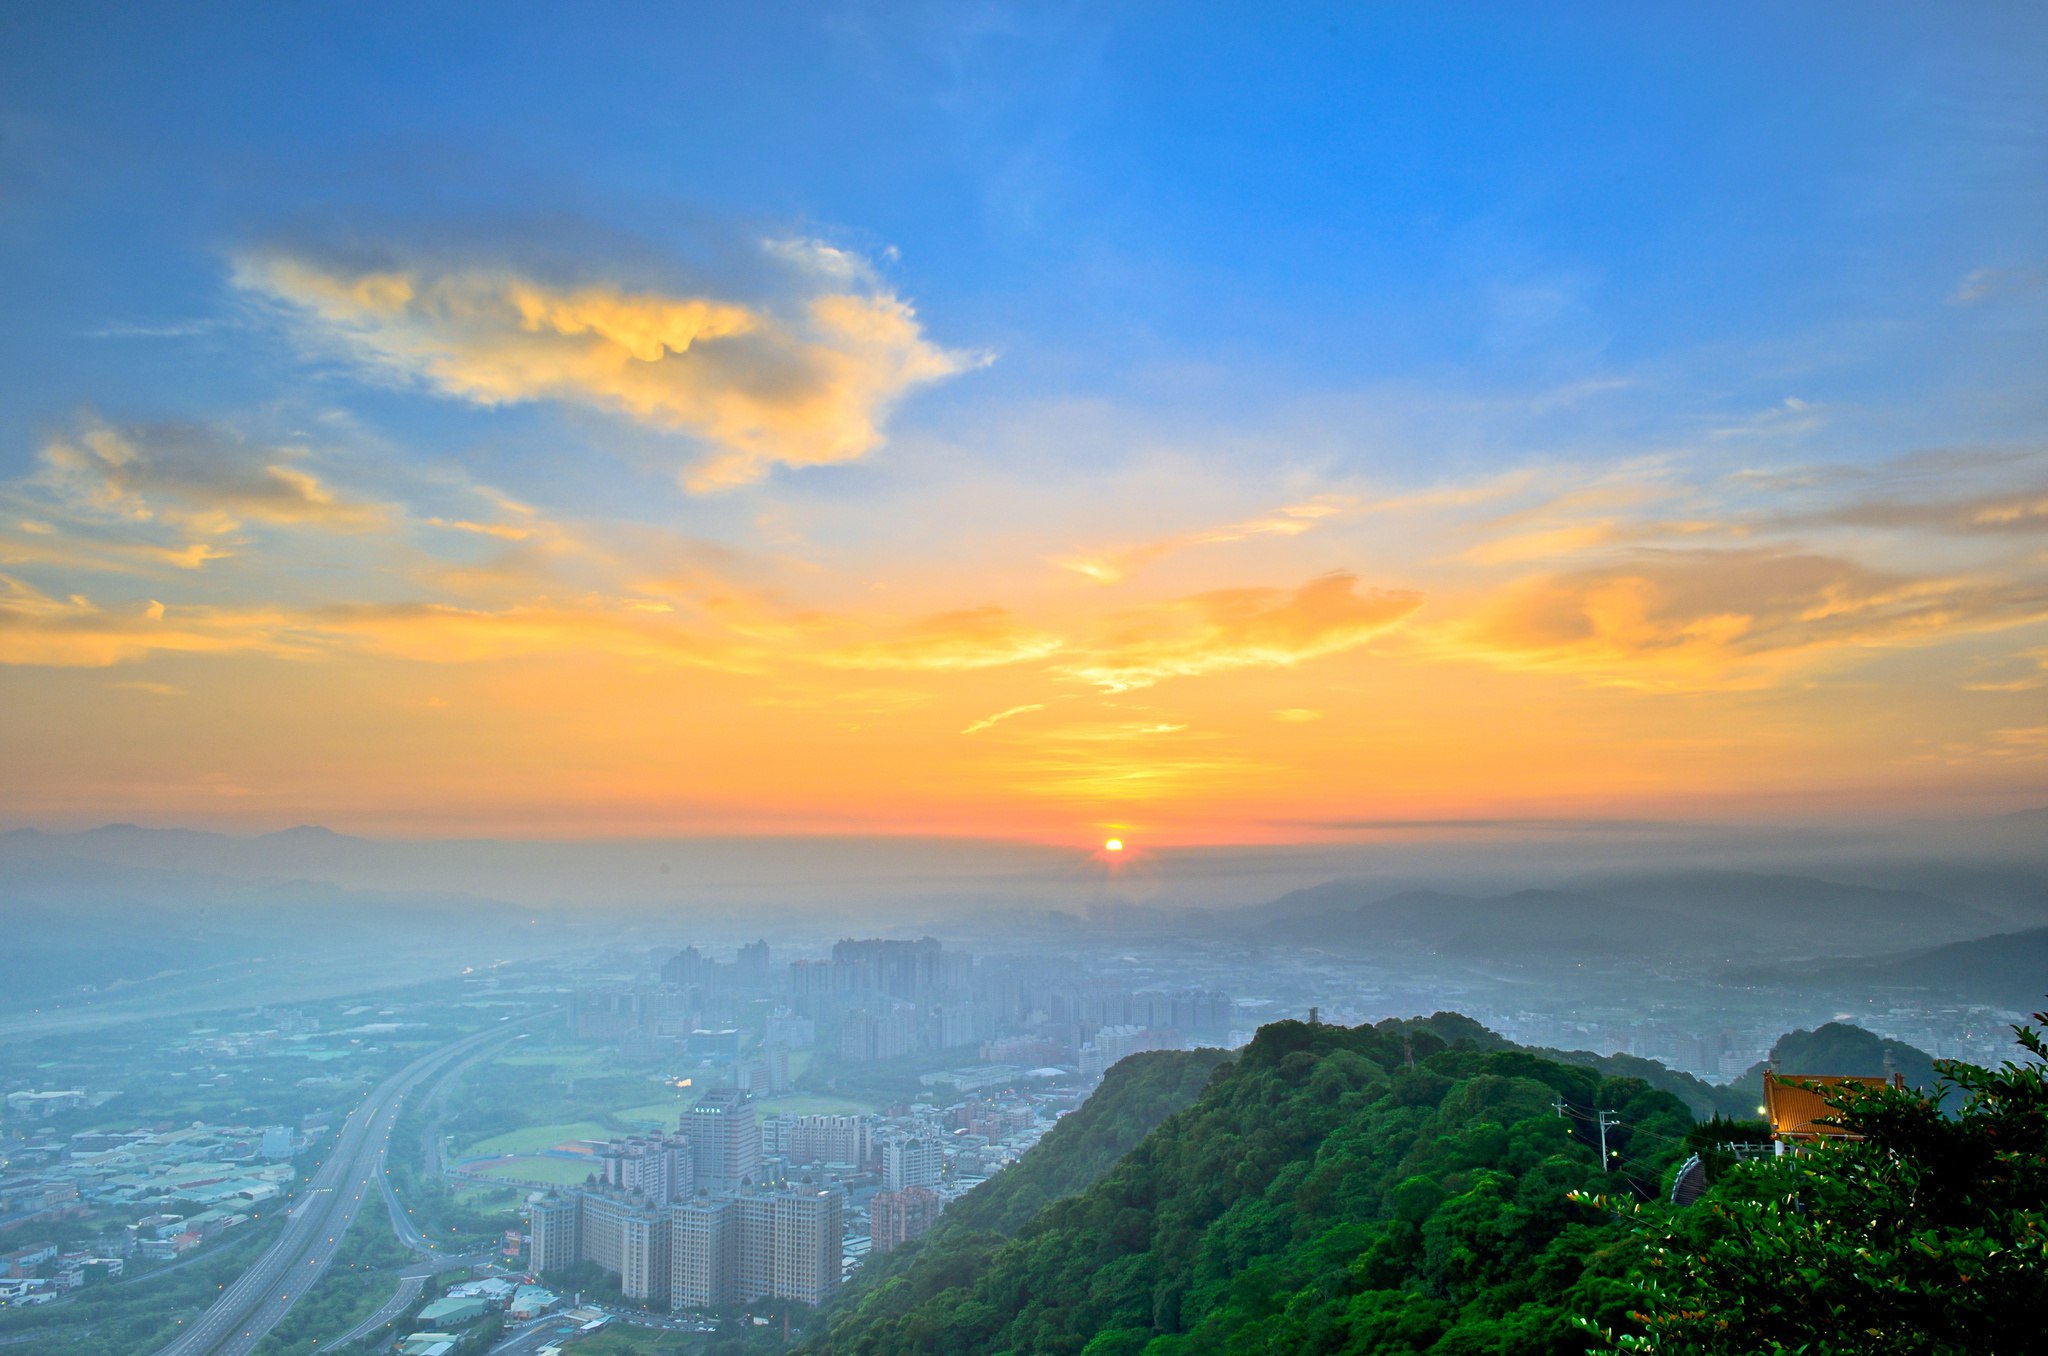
(692, 1218)
(731, 1207)
(877, 1000)
(443, 1324)
(40, 1272)
(188, 1184)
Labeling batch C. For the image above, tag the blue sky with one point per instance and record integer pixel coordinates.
(1171, 267)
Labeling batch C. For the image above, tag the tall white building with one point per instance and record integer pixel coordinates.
(804, 1234)
(909, 1163)
(552, 1242)
(829, 1139)
(725, 1139)
(701, 1253)
(626, 1235)
(741, 1246)
(659, 1167)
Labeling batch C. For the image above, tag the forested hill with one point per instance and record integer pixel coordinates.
(1332, 1189)
(1136, 1095)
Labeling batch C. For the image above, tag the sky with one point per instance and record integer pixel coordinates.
(1197, 424)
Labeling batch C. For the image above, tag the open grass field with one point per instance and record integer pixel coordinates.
(555, 1171)
(662, 1113)
(813, 1104)
(481, 1197)
(534, 1138)
(624, 1340)
(630, 1104)
(562, 1061)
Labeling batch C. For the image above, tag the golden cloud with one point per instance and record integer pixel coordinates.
(436, 633)
(74, 632)
(977, 638)
(990, 722)
(809, 385)
(1243, 628)
(1731, 618)
(1113, 565)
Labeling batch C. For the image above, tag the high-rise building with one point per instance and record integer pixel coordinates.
(643, 1256)
(897, 1217)
(725, 1139)
(551, 1240)
(701, 1253)
(626, 1235)
(878, 1030)
(752, 967)
(909, 1163)
(829, 1139)
(805, 1240)
(901, 969)
(741, 1246)
(658, 1167)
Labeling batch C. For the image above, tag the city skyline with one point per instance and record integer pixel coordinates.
(1051, 425)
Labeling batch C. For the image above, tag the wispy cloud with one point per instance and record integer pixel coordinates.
(1790, 418)
(74, 632)
(169, 329)
(990, 722)
(976, 638)
(1114, 564)
(207, 480)
(1982, 284)
(1241, 628)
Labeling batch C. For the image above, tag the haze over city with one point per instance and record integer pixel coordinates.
(630, 618)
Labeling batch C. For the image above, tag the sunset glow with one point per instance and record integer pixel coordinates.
(1090, 459)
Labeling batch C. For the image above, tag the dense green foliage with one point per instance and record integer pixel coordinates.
(1373, 1189)
(1838, 1048)
(1704, 1098)
(1135, 1096)
(138, 1314)
(1928, 1235)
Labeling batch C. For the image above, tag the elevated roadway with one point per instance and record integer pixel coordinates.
(352, 1172)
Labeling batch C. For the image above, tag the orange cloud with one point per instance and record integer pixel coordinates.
(978, 638)
(809, 385)
(990, 722)
(1242, 628)
(1127, 761)
(36, 629)
(436, 633)
(1730, 618)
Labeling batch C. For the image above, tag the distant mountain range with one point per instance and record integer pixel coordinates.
(1713, 914)
(2008, 969)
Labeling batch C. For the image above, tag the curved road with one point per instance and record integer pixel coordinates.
(326, 1206)
(408, 1290)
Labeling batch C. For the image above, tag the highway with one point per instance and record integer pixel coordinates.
(324, 1208)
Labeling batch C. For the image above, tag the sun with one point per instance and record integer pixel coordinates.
(1113, 845)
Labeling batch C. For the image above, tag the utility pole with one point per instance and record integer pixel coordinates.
(1605, 1124)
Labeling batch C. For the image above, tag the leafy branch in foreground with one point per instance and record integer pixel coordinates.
(1926, 1235)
